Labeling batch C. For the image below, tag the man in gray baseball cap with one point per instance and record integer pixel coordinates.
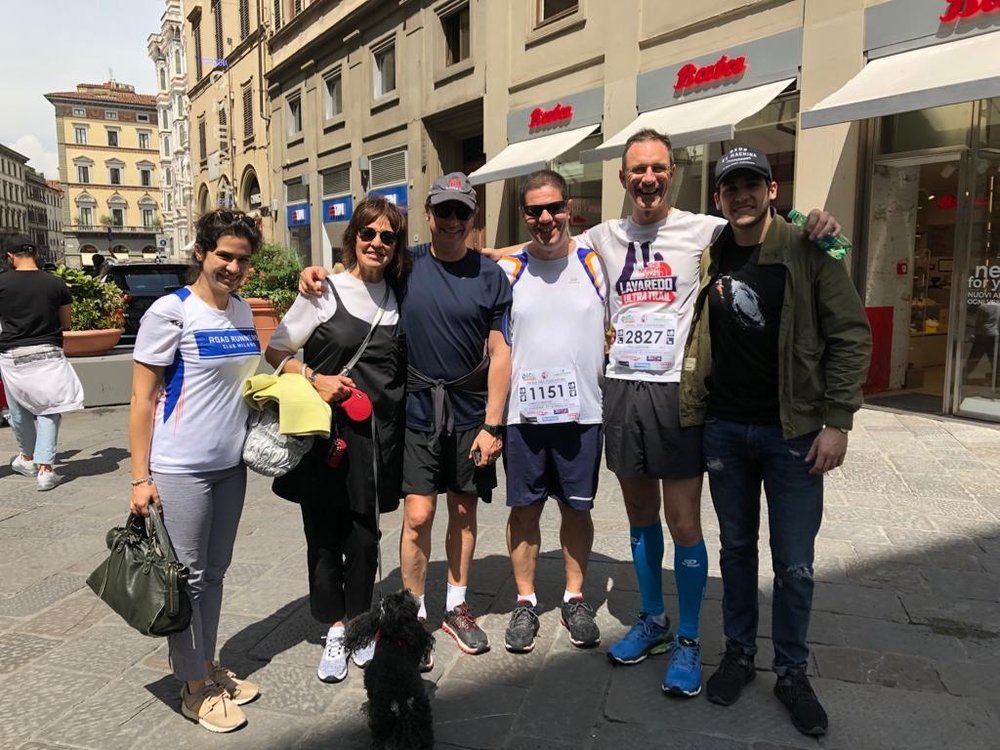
(457, 303)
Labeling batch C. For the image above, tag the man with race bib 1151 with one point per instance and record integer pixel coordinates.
(554, 433)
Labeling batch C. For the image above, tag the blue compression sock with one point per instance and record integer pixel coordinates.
(691, 574)
(647, 557)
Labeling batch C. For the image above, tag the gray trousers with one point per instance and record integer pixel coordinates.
(202, 513)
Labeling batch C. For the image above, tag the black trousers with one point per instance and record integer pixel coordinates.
(342, 554)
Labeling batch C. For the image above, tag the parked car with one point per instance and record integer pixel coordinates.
(143, 283)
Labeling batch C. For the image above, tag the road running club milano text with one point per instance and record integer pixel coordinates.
(653, 282)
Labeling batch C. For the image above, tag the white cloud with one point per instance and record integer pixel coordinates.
(46, 162)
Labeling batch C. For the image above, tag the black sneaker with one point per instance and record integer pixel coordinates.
(793, 689)
(735, 671)
(578, 618)
(522, 629)
(461, 626)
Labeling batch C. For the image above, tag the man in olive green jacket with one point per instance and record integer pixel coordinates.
(774, 367)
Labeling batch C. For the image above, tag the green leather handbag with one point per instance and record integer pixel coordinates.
(142, 580)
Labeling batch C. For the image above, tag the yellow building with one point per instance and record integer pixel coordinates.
(108, 168)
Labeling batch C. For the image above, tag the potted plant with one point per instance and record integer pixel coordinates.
(97, 323)
(271, 286)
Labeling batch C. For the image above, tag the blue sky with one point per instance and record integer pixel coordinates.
(52, 45)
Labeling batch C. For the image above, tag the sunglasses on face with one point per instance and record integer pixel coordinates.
(460, 210)
(232, 218)
(535, 212)
(368, 234)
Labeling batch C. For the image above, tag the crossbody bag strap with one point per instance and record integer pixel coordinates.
(371, 332)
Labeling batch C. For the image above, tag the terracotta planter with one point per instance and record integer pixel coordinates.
(90, 343)
(265, 319)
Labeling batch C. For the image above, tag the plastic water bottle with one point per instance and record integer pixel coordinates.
(835, 247)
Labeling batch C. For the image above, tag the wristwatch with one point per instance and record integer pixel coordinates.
(312, 377)
(496, 430)
(844, 430)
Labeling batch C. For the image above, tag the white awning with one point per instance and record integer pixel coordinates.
(948, 73)
(526, 156)
(700, 121)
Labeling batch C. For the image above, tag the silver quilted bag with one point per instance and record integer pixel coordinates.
(268, 452)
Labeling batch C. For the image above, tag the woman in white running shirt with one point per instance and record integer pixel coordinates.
(194, 350)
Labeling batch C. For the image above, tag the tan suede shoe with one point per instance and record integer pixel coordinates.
(240, 691)
(212, 708)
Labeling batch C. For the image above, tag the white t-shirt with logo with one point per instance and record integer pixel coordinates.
(557, 337)
(653, 272)
(200, 419)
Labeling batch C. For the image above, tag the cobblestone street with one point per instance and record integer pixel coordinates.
(905, 631)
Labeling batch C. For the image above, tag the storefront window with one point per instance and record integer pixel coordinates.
(979, 348)
(772, 130)
(926, 128)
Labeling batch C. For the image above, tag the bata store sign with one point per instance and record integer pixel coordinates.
(561, 114)
(691, 76)
(960, 9)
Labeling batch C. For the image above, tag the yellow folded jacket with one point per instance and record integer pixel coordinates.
(301, 410)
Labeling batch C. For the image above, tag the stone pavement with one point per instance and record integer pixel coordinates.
(906, 629)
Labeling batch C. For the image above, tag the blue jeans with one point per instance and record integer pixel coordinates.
(740, 458)
(35, 435)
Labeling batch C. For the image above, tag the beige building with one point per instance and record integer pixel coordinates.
(109, 170)
(44, 213)
(167, 51)
(887, 112)
(227, 112)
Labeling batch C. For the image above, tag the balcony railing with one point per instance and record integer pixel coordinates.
(115, 229)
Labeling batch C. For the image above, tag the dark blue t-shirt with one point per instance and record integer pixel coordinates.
(448, 312)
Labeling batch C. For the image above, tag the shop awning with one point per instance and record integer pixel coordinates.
(526, 156)
(700, 121)
(948, 73)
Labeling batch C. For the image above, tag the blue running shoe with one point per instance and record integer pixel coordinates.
(683, 675)
(643, 639)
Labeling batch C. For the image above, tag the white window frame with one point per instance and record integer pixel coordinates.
(542, 20)
(380, 52)
(333, 106)
(146, 177)
(144, 135)
(294, 110)
(83, 174)
(79, 112)
(86, 215)
(117, 133)
(79, 130)
(117, 210)
(148, 217)
(112, 168)
(110, 114)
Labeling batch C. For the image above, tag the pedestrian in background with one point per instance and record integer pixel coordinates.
(342, 489)
(40, 385)
(187, 424)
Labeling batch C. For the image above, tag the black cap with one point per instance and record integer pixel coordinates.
(454, 186)
(16, 242)
(741, 157)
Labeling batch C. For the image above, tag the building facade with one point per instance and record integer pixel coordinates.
(13, 195)
(109, 171)
(228, 114)
(168, 52)
(54, 214)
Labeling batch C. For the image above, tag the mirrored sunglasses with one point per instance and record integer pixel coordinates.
(445, 210)
(535, 212)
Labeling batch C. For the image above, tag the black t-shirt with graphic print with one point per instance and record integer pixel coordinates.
(744, 310)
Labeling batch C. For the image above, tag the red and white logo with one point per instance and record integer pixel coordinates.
(959, 9)
(691, 75)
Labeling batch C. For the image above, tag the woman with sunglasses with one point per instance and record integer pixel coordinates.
(345, 482)
(194, 350)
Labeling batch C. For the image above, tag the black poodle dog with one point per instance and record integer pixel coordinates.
(399, 711)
